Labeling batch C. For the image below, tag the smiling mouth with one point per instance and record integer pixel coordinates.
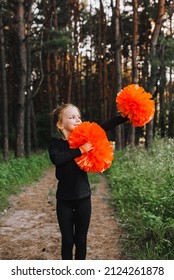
(76, 124)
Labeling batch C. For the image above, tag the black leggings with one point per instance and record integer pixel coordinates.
(73, 218)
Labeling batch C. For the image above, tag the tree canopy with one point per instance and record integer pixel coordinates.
(82, 52)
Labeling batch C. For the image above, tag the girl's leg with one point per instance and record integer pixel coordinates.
(65, 215)
(82, 220)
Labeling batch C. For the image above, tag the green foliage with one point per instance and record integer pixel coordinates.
(142, 184)
(17, 172)
(58, 41)
(168, 45)
(93, 178)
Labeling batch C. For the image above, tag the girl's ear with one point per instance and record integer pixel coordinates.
(59, 125)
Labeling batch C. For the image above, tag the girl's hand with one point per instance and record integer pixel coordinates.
(86, 148)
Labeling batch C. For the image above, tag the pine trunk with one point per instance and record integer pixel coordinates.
(118, 78)
(154, 68)
(134, 60)
(5, 136)
(22, 84)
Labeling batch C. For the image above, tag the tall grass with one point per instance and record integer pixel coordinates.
(142, 184)
(17, 172)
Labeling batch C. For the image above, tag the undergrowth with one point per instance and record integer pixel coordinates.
(18, 172)
(142, 186)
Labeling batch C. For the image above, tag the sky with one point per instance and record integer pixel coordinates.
(106, 3)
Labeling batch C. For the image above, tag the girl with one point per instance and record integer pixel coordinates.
(73, 192)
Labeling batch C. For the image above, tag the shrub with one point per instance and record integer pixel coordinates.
(142, 184)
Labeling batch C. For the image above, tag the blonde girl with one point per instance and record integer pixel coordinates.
(73, 190)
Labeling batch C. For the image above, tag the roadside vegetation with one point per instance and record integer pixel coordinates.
(142, 187)
(16, 173)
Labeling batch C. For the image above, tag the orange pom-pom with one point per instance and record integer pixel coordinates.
(98, 159)
(135, 103)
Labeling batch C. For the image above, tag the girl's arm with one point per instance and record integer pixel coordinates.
(59, 156)
(113, 122)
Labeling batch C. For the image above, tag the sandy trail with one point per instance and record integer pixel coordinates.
(29, 229)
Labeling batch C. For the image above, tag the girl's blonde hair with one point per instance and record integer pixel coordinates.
(57, 113)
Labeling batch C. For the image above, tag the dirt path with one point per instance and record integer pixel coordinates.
(29, 230)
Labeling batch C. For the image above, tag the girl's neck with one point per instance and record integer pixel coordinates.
(65, 135)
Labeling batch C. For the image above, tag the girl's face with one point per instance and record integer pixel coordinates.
(69, 120)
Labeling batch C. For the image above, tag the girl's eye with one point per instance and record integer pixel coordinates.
(73, 117)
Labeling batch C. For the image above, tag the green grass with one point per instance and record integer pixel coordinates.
(142, 184)
(93, 178)
(18, 172)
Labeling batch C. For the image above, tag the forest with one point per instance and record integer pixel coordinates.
(83, 52)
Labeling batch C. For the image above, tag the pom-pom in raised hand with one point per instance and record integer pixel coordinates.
(135, 103)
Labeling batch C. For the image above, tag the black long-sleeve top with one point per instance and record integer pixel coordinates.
(72, 181)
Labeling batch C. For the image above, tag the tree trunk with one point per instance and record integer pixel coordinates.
(22, 78)
(49, 90)
(28, 105)
(154, 68)
(5, 147)
(118, 78)
(100, 65)
(90, 93)
(33, 127)
(28, 90)
(69, 62)
(162, 97)
(171, 106)
(134, 60)
(55, 57)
